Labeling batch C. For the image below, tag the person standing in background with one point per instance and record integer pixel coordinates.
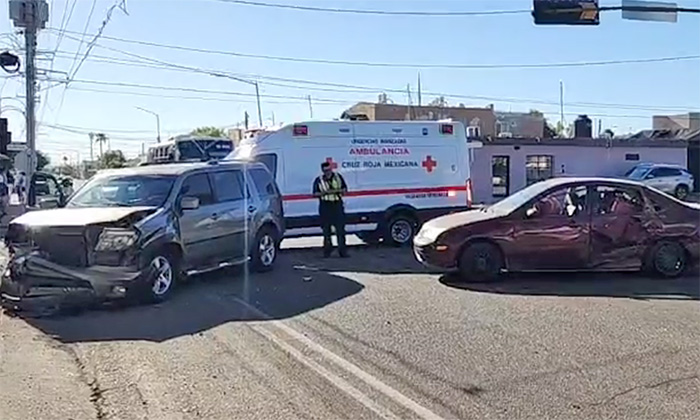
(329, 188)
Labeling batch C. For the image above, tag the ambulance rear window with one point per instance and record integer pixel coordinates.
(269, 160)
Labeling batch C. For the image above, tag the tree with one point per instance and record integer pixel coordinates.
(536, 113)
(42, 160)
(440, 102)
(112, 159)
(101, 139)
(208, 132)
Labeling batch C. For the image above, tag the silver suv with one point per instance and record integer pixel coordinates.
(137, 231)
(672, 179)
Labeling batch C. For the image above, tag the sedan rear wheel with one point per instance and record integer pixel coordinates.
(668, 259)
(481, 261)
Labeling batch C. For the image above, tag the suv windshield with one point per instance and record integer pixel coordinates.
(637, 172)
(124, 191)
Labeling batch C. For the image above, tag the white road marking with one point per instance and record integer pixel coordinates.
(336, 380)
(366, 377)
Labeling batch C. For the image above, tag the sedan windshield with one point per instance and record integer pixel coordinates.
(513, 202)
(124, 191)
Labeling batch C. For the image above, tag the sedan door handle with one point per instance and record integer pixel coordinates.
(214, 216)
(251, 209)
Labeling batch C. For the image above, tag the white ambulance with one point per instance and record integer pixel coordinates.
(399, 173)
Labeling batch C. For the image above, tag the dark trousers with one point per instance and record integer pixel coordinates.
(332, 214)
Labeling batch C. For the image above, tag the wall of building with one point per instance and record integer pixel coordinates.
(484, 118)
(689, 121)
(567, 161)
(520, 124)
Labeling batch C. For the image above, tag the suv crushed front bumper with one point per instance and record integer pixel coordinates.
(33, 283)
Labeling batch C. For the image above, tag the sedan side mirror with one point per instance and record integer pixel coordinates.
(189, 203)
(531, 211)
(650, 176)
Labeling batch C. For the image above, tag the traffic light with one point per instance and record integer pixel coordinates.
(566, 12)
(4, 136)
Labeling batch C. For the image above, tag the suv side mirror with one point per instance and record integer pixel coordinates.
(189, 203)
(649, 176)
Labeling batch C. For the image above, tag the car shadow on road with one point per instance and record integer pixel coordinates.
(204, 303)
(374, 259)
(617, 285)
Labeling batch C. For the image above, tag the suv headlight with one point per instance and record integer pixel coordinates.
(116, 239)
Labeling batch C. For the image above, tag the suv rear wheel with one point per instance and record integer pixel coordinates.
(265, 249)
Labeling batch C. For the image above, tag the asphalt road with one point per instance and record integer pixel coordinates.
(371, 337)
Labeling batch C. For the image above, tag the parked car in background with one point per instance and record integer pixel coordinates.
(137, 231)
(567, 224)
(672, 179)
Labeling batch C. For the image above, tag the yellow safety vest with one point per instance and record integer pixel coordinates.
(333, 184)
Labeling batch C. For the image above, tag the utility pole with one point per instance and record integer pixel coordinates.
(257, 96)
(408, 90)
(31, 15)
(561, 102)
(311, 107)
(92, 140)
(420, 102)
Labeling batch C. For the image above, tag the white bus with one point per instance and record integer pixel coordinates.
(189, 148)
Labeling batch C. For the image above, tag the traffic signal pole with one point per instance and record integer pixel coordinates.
(30, 70)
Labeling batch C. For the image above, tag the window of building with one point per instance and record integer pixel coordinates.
(198, 186)
(228, 185)
(632, 156)
(500, 176)
(538, 168)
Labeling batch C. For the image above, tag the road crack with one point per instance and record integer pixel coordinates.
(97, 392)
(645, 386)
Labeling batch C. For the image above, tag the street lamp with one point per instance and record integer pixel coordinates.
(157, 119)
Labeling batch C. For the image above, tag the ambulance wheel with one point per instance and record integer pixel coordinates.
(400, 229)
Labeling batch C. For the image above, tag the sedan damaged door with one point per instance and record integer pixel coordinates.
(552, 232)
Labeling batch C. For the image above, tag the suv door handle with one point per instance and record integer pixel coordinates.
(251, 209)
(214, 216)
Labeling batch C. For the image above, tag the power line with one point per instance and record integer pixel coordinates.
(404, 65)
(301, 99)
(82, 37)
(348, 88)
(374, 12)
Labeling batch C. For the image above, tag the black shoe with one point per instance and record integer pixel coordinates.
(344, 255)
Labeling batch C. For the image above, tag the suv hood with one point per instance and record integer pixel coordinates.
(78, 216)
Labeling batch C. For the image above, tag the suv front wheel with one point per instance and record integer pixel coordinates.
(681, 191)
(265, 249)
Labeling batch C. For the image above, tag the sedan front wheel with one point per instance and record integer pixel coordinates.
(481, 261)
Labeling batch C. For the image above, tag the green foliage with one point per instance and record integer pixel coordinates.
(208, 132)
(112, 159)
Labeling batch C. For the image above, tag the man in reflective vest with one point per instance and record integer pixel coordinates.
(329, 188)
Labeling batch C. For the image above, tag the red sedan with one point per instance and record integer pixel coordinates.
(567, 224)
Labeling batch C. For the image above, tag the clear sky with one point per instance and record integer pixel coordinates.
(643, 89)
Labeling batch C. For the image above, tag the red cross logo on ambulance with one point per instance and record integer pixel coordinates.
(334, 165)
(429, 164)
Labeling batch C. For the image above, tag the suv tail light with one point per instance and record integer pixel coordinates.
(447, 129)
(301, 130)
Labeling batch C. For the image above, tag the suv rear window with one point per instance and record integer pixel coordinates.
(659, 172)
(228, 185)
(263, 182)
